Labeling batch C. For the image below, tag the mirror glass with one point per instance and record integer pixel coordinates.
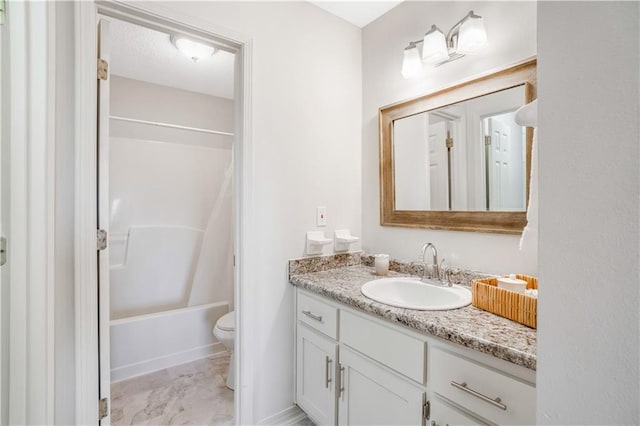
(467, 156)
(455, 159)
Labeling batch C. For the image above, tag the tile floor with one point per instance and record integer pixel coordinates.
(187, 394)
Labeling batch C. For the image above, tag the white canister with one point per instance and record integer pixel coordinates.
(382, 264)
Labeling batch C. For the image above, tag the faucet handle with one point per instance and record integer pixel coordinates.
(417, 268)
(444, 273)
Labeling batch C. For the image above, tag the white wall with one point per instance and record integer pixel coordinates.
(306, 131)
(147, 101)
(588, 332)
(511, 29)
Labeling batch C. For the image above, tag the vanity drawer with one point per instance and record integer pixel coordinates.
(442, 413)
(398, 351)
(473, 386)
(317, 314)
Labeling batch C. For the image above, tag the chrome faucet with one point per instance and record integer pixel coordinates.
(438, 269)
(436, 273)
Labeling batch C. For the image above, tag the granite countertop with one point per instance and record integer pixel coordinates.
(468, 326)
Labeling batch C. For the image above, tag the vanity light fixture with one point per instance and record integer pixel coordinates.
(411, 65)
(472, 35)
(434, 46)
(466, 37)
(192, 49)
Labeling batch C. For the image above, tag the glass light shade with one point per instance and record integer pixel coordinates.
(192, 49)
(472, 35)
(411, 64)
(434, 46)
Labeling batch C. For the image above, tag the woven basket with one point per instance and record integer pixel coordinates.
(506, 303)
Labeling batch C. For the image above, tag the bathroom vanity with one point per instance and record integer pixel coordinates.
(363, 362)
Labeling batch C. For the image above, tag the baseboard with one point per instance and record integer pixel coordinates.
(288, 416)
(154, 364)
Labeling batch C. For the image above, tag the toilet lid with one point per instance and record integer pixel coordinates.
(227, 322)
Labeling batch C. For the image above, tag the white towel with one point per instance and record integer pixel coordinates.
(527, 115)
(529, 238)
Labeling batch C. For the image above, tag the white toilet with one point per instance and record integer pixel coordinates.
(225, 332)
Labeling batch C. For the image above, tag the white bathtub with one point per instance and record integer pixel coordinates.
(145, 343)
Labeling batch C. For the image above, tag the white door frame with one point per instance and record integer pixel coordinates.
(31, 29)
(154, 15)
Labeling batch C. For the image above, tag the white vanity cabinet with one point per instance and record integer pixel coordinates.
(315, 387)
(369, 394)
(316, 358)
(356, 369)
(487, 392)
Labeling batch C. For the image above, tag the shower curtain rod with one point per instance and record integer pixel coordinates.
(173, 126)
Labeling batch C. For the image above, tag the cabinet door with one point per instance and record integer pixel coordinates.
(444, 414)
(372, 395)
(315, 378)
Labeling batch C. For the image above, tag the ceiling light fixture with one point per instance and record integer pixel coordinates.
(193, 49)
(466, 37)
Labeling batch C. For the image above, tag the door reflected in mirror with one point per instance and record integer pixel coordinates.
(469, 156)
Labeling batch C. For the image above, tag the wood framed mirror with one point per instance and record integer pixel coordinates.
(455, 159)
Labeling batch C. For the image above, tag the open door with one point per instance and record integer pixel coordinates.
(103, 219)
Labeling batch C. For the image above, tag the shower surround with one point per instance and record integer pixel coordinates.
(171, 236)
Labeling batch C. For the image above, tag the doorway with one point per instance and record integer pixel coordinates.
(165, 202)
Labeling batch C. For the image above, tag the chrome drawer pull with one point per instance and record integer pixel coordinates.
(341, 381)
(495, 402)
(312, 316)
(327, 376)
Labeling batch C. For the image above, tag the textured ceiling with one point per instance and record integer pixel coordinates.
(144, 54)
(359, 13)
(148, 55)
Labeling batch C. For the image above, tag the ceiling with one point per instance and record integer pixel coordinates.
(359, 13)
(144, 54)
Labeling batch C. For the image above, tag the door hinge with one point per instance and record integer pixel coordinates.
(103, 69)
(3, 251)
(449, 142)
(101, 239)
(103, 409)
(487, 140)
(426, 409)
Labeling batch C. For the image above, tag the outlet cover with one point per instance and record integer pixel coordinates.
(321, 216)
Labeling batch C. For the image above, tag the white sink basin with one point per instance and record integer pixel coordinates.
(411, 293)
